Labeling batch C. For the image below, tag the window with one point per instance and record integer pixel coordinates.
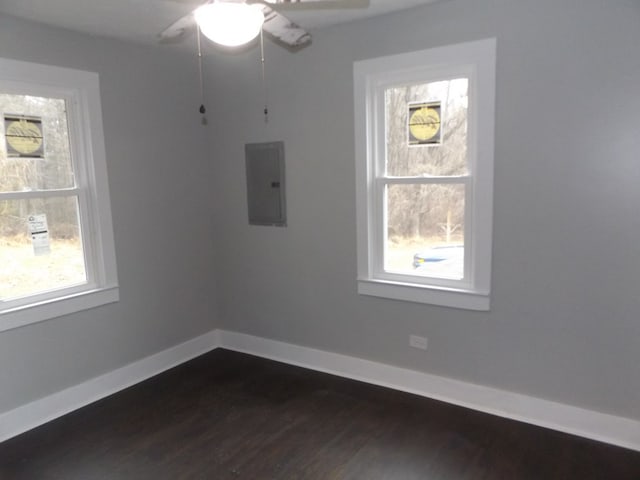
(56, 240)
(424, 124)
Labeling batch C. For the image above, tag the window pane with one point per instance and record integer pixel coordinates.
(40, 246)
(426, 128)
(425, 230)
(34, 144)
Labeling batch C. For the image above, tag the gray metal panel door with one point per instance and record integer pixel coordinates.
(265, 183)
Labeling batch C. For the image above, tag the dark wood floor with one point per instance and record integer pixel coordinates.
(232, 416)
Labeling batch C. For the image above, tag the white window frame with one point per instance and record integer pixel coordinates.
(475, 61)
(81, 91)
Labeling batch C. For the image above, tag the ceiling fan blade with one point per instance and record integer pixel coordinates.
(178, 29)
(283, 30)
(283, 5)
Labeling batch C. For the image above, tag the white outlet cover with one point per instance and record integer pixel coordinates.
(416, 341)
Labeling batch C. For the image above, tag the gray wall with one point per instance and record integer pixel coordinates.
(564, 323)
(159, 177)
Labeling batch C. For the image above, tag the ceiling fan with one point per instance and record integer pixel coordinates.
(236, 22)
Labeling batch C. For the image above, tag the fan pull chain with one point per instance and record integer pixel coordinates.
(264, 80)
(202, 108)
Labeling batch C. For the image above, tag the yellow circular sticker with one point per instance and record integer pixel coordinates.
(424, 123)
(24, 137)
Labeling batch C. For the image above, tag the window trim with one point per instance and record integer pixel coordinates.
(474, 60)
(81, 90)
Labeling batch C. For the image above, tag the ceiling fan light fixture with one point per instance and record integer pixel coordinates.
(229, 24)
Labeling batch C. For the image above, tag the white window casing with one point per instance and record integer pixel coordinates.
(81, 93)
(476, 62)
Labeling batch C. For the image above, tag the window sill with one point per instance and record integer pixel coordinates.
(444, 297)
(57, 307)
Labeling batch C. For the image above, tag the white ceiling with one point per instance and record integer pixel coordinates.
(140, 21)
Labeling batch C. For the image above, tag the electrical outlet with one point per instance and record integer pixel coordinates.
(416, 341)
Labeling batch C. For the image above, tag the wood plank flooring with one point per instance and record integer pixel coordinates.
(227, 415)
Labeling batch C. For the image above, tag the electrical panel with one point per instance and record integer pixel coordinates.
(266, 183)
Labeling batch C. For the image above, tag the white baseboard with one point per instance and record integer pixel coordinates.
(611, 429)
(38, 412)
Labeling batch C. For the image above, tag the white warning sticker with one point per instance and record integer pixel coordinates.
(39, 231)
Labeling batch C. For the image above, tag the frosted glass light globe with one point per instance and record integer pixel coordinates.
(229, 24)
